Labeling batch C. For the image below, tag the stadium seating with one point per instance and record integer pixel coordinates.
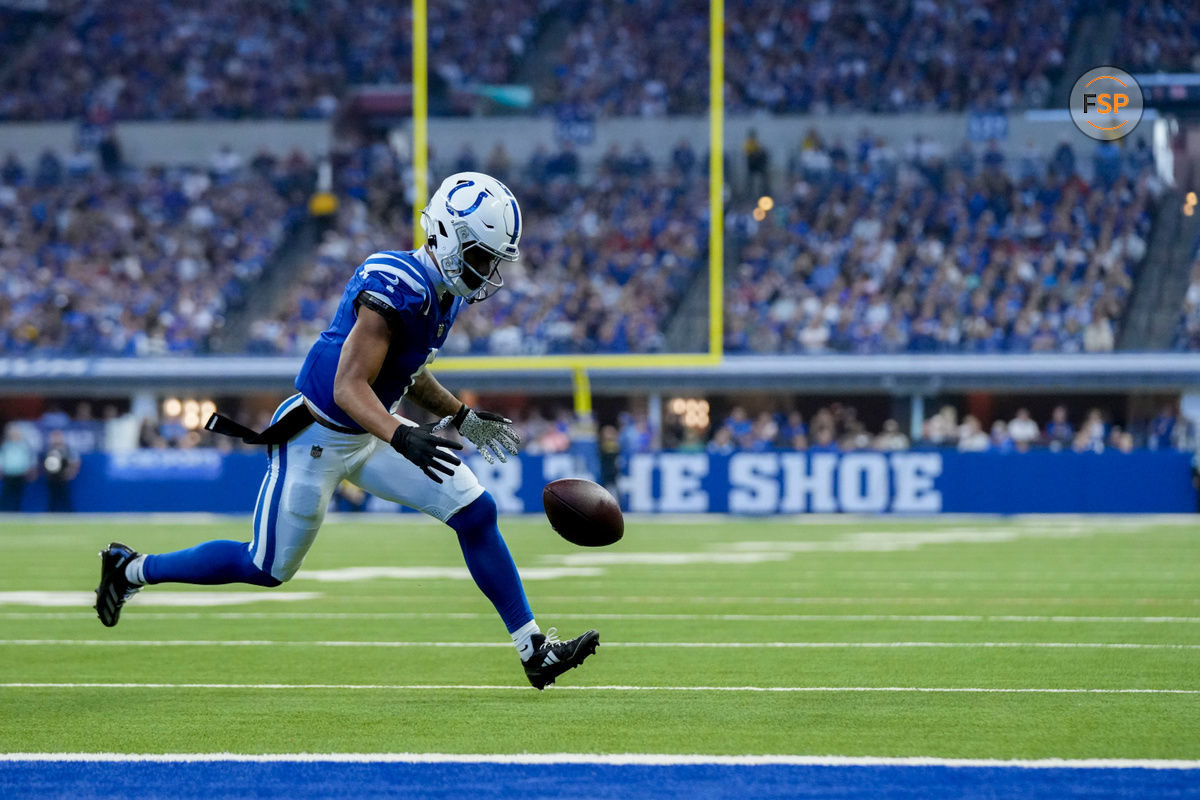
(1159, 36)
(799, 57)
(148, 59)
(879, 251)
(224, 59)
(600, 276)
(133, 263)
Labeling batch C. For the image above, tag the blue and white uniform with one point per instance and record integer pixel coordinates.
(401, 285)
(303, 474)
(420, 299)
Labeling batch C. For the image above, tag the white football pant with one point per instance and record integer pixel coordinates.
(304, 473)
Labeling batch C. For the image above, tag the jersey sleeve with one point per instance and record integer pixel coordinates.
(383, 305)
(393, 290)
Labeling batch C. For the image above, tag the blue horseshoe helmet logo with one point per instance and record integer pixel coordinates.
(475, 205)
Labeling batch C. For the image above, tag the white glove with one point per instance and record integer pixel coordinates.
(490, 433)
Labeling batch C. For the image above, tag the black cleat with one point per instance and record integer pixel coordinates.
(114, 588)
(552, 658)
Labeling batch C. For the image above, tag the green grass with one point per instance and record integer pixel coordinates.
(968, 581)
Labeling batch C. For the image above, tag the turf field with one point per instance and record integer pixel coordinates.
(967, 638)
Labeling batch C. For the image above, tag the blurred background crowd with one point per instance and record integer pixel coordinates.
(868, 248)
(836, 241)
(151, 59)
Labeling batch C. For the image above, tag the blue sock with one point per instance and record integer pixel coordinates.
(220, 561)
(489, 561)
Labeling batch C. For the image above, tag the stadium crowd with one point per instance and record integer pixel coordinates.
(118, 261)
(292, 58)
(150, 59)
(818, 56)
(868, 249)
(837, 427)
(605, 257)
(871, 249)
(551, 427)
(1159, 36)
(225, 59)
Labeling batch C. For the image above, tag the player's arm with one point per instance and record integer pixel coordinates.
(430, 395)
(362, 357)
(491, 433)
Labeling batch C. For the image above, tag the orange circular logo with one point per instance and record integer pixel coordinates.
(1106, 103)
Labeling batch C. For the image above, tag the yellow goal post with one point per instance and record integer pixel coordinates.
(581, 364)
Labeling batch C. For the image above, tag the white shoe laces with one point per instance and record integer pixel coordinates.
(552, 636)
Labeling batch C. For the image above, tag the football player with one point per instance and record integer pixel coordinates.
(394, 314)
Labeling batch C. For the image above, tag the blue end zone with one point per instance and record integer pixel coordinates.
(309, 780)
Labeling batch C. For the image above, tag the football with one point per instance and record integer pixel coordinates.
(583, 512)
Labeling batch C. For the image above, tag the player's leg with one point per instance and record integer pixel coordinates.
(291, 505)
(463, 504)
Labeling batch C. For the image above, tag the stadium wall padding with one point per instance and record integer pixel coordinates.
(754, 483)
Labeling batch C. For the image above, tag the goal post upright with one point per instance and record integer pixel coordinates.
(580, 365)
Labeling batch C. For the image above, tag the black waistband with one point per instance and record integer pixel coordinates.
(333, 426)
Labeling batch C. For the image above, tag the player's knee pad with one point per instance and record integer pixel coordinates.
(305, 500)
(480, 513)
(282, 573)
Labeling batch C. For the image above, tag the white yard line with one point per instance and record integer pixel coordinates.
(471, 615)
(726, 645)
(863, 600)
(599, 688)
(616, 759)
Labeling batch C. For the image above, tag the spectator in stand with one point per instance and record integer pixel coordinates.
(824, 440)
(1000, 441)
(635, 434)
(610, 458)
(18, 465)
(942, 429)
(60, 465)
(793, 433)
(971, 438)
(1094, 430)
(1164, 429)
(1083, 443)
(891, 438)
(763, 433)
(722, 443)
(739, 424)
(758, 160)
(1098, 335)
(1059, 432)
(1023, 431)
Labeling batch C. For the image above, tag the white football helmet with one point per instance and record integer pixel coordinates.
(472, 223)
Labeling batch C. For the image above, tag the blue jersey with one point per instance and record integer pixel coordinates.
(397, 285)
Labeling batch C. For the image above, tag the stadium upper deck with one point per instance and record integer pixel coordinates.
(150, 59)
